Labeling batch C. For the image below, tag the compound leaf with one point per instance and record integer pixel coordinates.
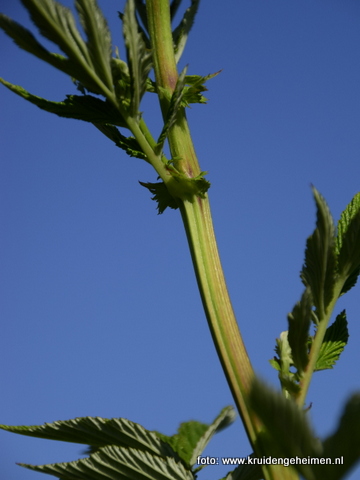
(334, 342)
(98, 38)
(114, 463)
(26, 40)
(80, 107)
(57, 23)
(139, 57)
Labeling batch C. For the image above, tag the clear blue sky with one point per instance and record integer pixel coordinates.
(100, 314)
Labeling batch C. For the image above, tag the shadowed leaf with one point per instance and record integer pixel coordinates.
(318, 272)
(334, 342)
(344, 444)
(99, 38)
(79, 107)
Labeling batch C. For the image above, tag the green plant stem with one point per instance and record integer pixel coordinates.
(197, 220)
(324, 320)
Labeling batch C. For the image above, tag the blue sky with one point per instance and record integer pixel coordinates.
(99, 307)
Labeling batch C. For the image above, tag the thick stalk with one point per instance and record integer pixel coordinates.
(197, 220)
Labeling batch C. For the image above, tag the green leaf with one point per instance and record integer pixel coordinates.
(181, 32)
(343, 443)
(192, 437)
(299, 323)
(26, 40)
(347, 243)
(288, 433)
(334, 342)
(318, 272)
(98, 432)
(192, 93)
(114, 463)
(57, 23)
(172, 112)
(129, 144)
(161, 196)
(283, 363)
(99, 38)
(79, 107)
(139, 58)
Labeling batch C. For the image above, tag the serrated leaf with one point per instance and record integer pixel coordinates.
(26, 40)
(299, 323)
(114, 463)
(181, 32)
(282, 363)
(172, 112)
(343, 444)
(283, 350)
(80, 107)
(139, 57)
(347, 243)
(57, 24)
(192, 437)
(334, 342)
(225, 418)
(98, 432)
(161, 196)
(288, 433)
(129, 144)
(98, 38)
(318, 272)
(193, 92)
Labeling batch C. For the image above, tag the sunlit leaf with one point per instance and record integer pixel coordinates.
(347, 243)
(161, 196)
(195, 85)
(192, 437)
(97, 432)
(116, 463)
(181, 32)
(334, 342)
